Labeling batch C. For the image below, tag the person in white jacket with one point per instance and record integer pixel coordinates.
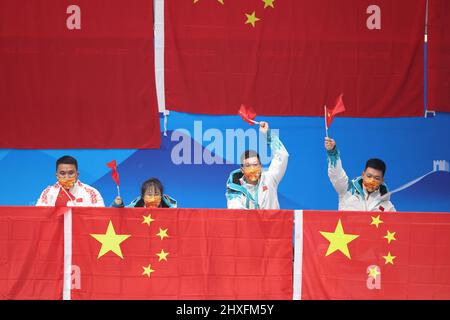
(69, 191)
(365, 193)
(251, 188)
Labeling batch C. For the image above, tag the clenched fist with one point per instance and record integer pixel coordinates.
(330, 144)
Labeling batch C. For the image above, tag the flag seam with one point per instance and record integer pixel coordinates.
(67, 281)
(298, 254)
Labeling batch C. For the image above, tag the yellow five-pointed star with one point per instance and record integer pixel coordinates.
(148, 219)
(162, 233)
(110, 241)
(148, 270)
(390, 236)
(338, 240)
(376, 221)
(268, 3)
(162, 255)
(251, 18)
(389, 258)
(373, 272)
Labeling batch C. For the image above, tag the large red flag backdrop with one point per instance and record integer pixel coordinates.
(77, 74)
(292, 57)
(439, 56)
(351, 255)
(138, 253)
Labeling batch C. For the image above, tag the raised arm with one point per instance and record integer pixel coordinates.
(280, 155)
(336, 172)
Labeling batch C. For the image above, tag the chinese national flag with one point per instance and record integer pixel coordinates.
(77, 75)
(287, 57)
(114, 174)
(338, 108)
(31, 253)
(363, 255)
(138, 253)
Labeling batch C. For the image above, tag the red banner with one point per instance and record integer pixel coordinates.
(182, 254)
(77, 75)
(439, 56)
(31, 253)
(292, 57)
(361, 255)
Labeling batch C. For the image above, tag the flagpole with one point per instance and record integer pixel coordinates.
(326, 128)
(118, 191)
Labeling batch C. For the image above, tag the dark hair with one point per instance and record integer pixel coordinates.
(376, 164)
(66, 160)
(249, 154)
(152, 182)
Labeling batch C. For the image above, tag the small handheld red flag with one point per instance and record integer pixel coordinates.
(115, 174)
(247, 114)
(338, 108)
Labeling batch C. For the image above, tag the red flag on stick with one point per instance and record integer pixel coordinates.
(115, 174)
(247, 114)
(338, 108)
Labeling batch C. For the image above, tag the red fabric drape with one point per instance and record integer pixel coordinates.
(211, 254)
(31, 253)
(439, 56)
(299, 56)
(419, 243)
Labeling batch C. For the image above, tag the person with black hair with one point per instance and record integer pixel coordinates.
(251, 188)
(69, 190)
(364, 193)
(152, 196)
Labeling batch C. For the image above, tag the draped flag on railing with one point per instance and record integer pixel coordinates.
(137, 253)
(374, 255)
(287, 57)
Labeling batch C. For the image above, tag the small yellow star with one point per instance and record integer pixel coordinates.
(162, 255)
(162, 233)
(110, 241)
(251, 18)
(268, 3)
(148, 219)
(389, 258)
(390, 236)
(147, 270)
(373, 272)
(338, 240)
(376, 221)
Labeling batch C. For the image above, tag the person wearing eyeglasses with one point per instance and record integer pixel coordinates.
(251, 188)
(364, 193)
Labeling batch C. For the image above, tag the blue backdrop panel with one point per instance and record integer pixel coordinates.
(408, 146)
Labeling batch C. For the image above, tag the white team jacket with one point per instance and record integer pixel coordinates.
(241, 195)
(353, 196)
(86, 196)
